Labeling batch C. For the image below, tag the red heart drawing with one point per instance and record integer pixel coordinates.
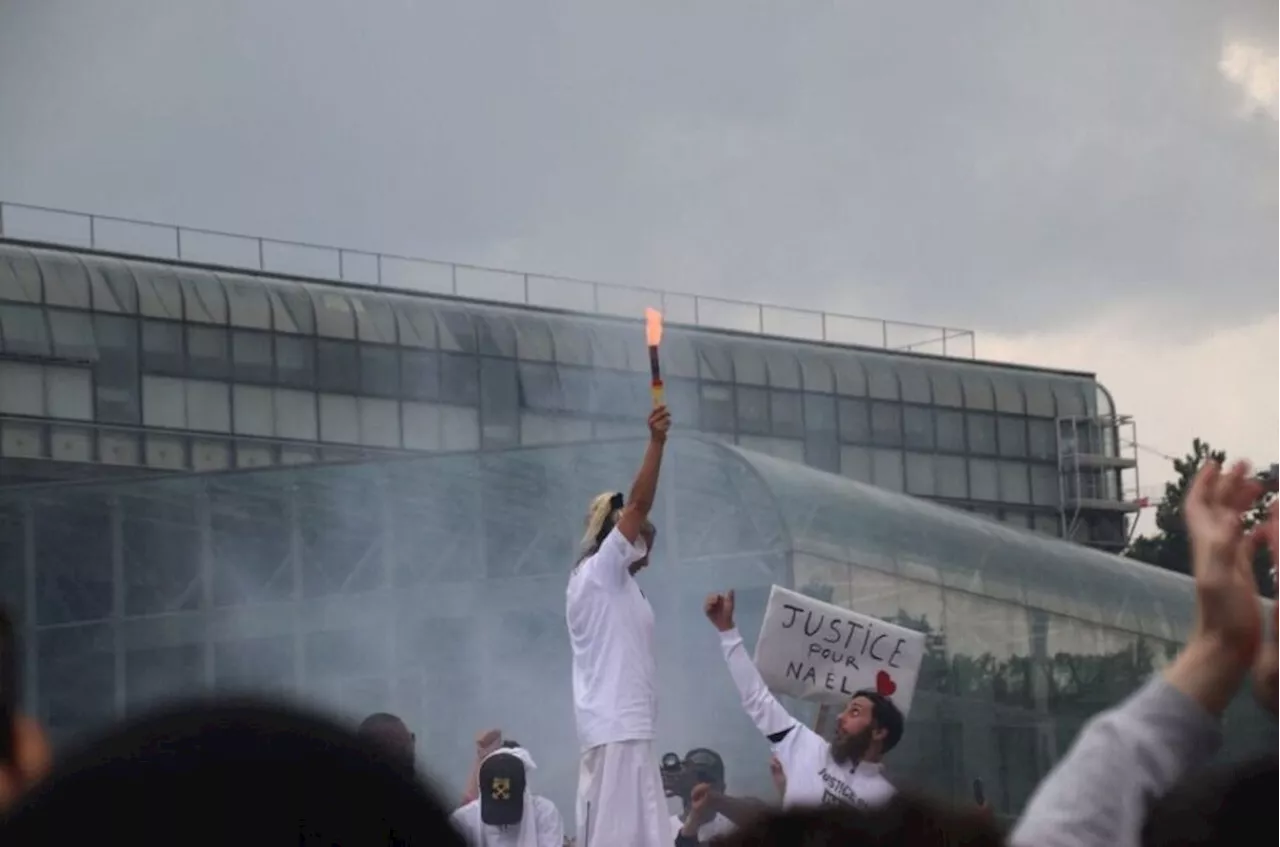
(885, 686)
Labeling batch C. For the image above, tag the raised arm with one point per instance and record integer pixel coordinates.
(635, 513)
(486, 743)
(761, 706)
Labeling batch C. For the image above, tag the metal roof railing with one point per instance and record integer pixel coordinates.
(108, 233)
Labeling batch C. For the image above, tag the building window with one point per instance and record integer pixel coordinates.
(420, 374)
(1043, 442)
(855, 463)
(1013, 436)
(952, 477)
(339, 419)
(295, 361)
(459, 379)
(1014, 485)
(162, 348)
(379, 370)
(207, 353)
(887, 469)
(786, 413)
(251, 356)
(23, 330)
(855, 426)
(920, 475)
(886, 424)
(983, 480)
(254, 408)
(499, 403)
(1044, 485)
(753, 410)
(950, 430)
(716, 402)
(338, 366)
(982, 433)
(917, 424)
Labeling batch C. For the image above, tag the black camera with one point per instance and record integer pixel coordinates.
(700, 765)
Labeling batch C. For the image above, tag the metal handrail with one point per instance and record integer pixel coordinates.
(344, 264)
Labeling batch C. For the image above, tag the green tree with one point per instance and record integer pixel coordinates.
(1169, 547)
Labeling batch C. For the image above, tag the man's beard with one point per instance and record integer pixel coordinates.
(850, 748)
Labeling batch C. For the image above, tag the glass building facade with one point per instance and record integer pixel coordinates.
(130, 363)
(433, 586)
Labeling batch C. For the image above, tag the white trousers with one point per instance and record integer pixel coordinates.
(621, 802)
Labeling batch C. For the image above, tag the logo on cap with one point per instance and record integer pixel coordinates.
(501, 788)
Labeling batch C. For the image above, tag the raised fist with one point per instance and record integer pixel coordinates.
(719, 610)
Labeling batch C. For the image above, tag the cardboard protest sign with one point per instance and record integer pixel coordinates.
(822, 653)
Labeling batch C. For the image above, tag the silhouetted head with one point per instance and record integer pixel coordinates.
(906, 821)
(1219, 806)
(603, 515)
(389, 734)
(868, 728)
(230, 772)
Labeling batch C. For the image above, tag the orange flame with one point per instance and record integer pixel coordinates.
(653, 327)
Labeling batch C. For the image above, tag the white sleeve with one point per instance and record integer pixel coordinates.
(550, 824)
(761, 706)
(608, 565)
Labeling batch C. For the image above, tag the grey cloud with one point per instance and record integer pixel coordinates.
(967, 163)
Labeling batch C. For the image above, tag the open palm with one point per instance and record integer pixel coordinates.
(1227, 607)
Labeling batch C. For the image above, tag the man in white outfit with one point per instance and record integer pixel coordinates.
(621, 801)
(507, 813)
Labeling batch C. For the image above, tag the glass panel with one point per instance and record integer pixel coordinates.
(23, 330)
(679, 358)
(1049, 525)
(714, 362)
(1039, 397)
(117, 391)
(339, 419)
(203, 300)
(1008, 394)
(163, 402)
(499, 403)
(951, 431)
(254, 410)
(296, 414)
(1071, 402)
(337, 366)
(70, 393)
(159, 295)
(851, 378)
(917, 423)
(1042, 439)
(1014, 486)
(162, 348)
(855, 463)
(207, 353)
(573, 343)
(295, 361)
(247, 302)
(65, 281)
(887, 469)
(946, 388)
(417, 325)
(748, 365)
(982, 433)
(379, 371)
(1013, 436)
(787, 413)
(251, 352)
(112, 286)
(716, 406)
(882, 381)
(977, 391)
(784, 368)
(584, 390)
(208, 406)
(420, 374)
(782, 448)
(816, 373)
(457, 331)
(20, 277)
(952, 477)
(292, 309)
(983, 484)
(21, 389)
(379, 422)
(495, 335)
(72, 334)
(820, 413)
(753, 410)
(533, 340)
(886, 424)
(1044, 485)
(855, 424)
(915, 383)
(459, 379)
(334, 318)
(375, 322)
(609, 350)
(920, 475)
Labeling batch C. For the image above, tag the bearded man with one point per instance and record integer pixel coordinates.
(848, 769)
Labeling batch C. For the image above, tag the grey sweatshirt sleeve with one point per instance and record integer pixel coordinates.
(1121, 762)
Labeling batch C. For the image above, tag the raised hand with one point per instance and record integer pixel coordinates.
(488, 741)
(1266, 672)
(659, 424)
(1227, 611)
(31, 760)
(701, 806)
(719, 610)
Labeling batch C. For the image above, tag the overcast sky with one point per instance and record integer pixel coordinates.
(1087, 184)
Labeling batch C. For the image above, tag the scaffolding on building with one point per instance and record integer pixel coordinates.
(1097, 478)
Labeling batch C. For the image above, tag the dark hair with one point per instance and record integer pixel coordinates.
(885, 715)
(289, 777)
(376, 720)
(511, 744)
(906, 821)
(1218, 806)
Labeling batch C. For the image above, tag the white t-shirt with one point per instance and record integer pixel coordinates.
(813, 777)
(611, 632)
(545, 830)
(714, 828)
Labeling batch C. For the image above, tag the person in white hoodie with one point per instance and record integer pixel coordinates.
(507, 813)
(847, 769)
(621, 801)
